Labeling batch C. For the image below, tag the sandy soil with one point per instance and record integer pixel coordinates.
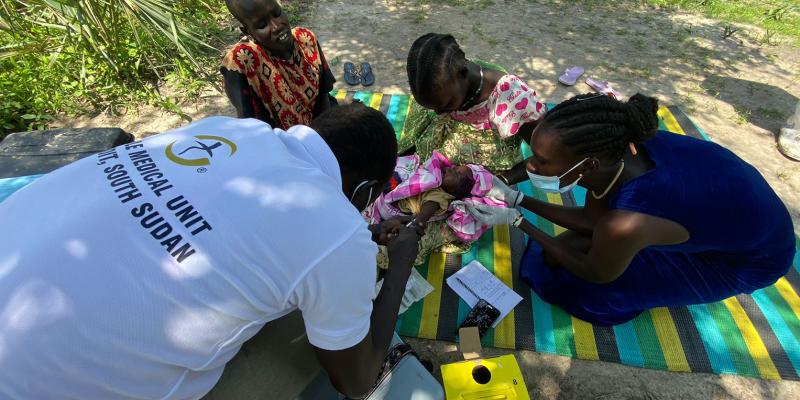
(738, 89)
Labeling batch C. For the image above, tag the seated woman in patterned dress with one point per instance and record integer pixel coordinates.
(276, 73)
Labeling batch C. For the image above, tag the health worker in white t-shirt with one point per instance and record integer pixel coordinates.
(138, 273)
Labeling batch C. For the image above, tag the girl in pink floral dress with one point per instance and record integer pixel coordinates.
(470, 111)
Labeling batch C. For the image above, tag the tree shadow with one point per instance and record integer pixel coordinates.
(636, 49)
(760, 104)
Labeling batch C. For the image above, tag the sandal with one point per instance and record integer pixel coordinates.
(367, 77)
(602, 87)
(350, 74)
(571, 75)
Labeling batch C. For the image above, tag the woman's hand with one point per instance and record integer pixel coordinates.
(403, 248)
(419, 226)
(385, 231)
(489, 215)
(501, 191)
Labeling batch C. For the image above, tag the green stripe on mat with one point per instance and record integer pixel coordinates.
(742, 360)
(648, 342)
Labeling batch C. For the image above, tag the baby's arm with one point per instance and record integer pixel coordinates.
(420, 222)
(434, 202)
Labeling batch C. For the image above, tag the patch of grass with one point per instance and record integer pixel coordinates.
(75, 57)
(742, 116)
(768, 38)
(776, 16)
(771, 113)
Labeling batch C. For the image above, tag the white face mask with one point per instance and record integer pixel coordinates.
(369, 197)
(553, 183)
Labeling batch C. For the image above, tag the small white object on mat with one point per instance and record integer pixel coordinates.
(416, 289)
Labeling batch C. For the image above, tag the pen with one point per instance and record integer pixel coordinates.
(467, 287)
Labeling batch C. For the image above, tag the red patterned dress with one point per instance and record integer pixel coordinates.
(280, 92)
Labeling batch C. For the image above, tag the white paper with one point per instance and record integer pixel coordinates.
(486, 285)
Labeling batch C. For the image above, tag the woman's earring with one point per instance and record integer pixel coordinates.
(632, 147)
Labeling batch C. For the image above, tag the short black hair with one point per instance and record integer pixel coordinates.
(361, 138)
(460, 185)
(432, 60)
(599, 125)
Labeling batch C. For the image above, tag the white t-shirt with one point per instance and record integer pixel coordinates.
(139, 272)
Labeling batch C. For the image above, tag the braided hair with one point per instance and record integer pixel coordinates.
(434, 59)
(598, 125)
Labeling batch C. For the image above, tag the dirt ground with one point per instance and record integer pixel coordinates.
(738, 89)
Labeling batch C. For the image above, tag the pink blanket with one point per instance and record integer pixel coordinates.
(418, 178)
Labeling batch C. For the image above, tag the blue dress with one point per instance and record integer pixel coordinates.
(741, 237)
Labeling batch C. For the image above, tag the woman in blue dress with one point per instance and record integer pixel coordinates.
(669, 220)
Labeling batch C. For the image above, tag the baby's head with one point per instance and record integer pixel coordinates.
(458, 181)
(437, 73)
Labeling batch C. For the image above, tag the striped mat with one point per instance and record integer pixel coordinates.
(754, 335)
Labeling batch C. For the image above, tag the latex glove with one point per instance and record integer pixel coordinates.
(489, 215)
(501, 191)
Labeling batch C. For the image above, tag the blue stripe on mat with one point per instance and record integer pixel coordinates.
(718, 353)
(543, 325)
(394, 107)
(628, 344)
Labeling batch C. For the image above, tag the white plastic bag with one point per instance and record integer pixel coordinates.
(416, 288)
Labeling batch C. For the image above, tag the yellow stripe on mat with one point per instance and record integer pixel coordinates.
(504, 333)
(585, 345)
(555, 198)
(429, 322)
(753, 341)
(340, 95)
(669, 340)
(669, 121)
(788, 294)
(376, 101)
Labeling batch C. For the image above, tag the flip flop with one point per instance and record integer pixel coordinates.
(602, 87)
(571, 75)
(350, 75)
(367, 77)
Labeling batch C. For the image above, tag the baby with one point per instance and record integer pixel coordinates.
(435, 194)
(457, 183)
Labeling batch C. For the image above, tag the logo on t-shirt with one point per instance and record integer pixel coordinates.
(199, 152)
